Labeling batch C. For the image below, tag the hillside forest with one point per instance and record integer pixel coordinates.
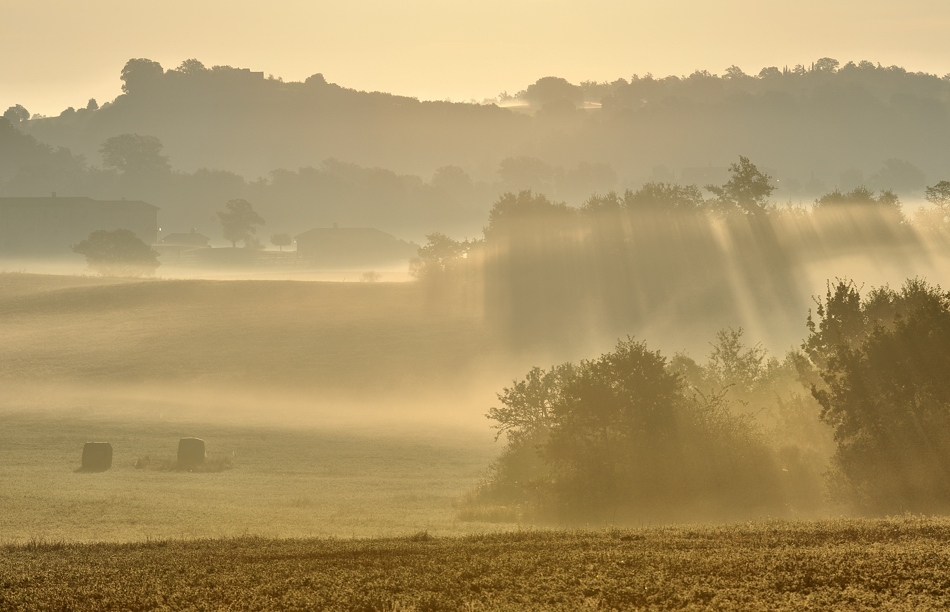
(314, 153)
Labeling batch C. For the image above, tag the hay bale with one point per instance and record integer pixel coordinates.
(96, 456)
(191, 451)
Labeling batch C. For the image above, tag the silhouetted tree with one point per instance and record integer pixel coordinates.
(281, 240)
(134, 155)
(885, 366)
(620, 438)
(939, 195)
(117, 253)
(16, 114)
(554, 94)
(140, 75)
(439, 256)
(655, 196)
(518, 213)
(859, 196)
(826, 64)
(238, 221)
(747, 191)
(191, 66)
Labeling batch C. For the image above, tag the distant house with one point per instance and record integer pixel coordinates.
(47, 227)
(192, 239)
(345, 247)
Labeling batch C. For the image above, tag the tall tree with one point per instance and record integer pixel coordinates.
(238, 221)
(135, 155)
(140, 75)
(885, 365)
(747, 191)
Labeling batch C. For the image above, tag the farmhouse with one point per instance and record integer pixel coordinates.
(352, 247)
(47, 227)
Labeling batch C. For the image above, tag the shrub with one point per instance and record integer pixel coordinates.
(620, 438)
(117, 253)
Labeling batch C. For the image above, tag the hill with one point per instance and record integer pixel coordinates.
(363, 337)
(808, 123)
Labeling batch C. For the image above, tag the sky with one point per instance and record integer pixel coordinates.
(57, 53)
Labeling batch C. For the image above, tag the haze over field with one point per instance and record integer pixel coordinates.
(690, 259)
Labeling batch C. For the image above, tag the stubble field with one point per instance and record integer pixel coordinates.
(894, 564)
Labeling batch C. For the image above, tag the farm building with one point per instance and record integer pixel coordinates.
(352, 247)
(47, 227)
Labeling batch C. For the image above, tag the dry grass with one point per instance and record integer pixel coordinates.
(366, 336)
(894, 564)
(355, 480)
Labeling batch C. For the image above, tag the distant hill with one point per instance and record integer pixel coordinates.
(822, 119)
(313, 153)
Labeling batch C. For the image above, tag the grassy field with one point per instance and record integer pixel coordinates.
(370, 479)
(895, 564)
(346, 409)
(275, 334)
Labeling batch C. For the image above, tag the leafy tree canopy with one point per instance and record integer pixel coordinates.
(884, 363)
(139, 75)
(135, 155)
(238, 222)
(117, 253)
(747, 191)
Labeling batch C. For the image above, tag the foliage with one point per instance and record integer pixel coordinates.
(117, 253)
(939, 195)
(747, 191)
(440, 256)
(893, 564)
(859, 196)
(16, 114)
(141, 76)
(885, 366)
(281, 239)
(238, 221)
(936, 219)
(619, 438)
(139, 156)
(514, 213)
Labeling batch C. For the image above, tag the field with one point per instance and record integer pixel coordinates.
(269, 334)
(330, 481)
(896, 564)
(344, 421)
(344, 409)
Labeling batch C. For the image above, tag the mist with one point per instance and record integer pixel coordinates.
(334, 288)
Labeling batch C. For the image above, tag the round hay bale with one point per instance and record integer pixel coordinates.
(191, 451)
(96, 456)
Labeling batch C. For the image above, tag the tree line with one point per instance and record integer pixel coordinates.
(549, 272)
(857, 417)
(823, 124)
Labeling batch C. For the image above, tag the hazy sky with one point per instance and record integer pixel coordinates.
(58, 53)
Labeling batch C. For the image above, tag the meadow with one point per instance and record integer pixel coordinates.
(895, 564)
(344, 409)
(271, 334)
(330, 481)
(348, 419)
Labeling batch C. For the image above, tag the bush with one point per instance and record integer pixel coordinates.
(117, 253)
(620, 439)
